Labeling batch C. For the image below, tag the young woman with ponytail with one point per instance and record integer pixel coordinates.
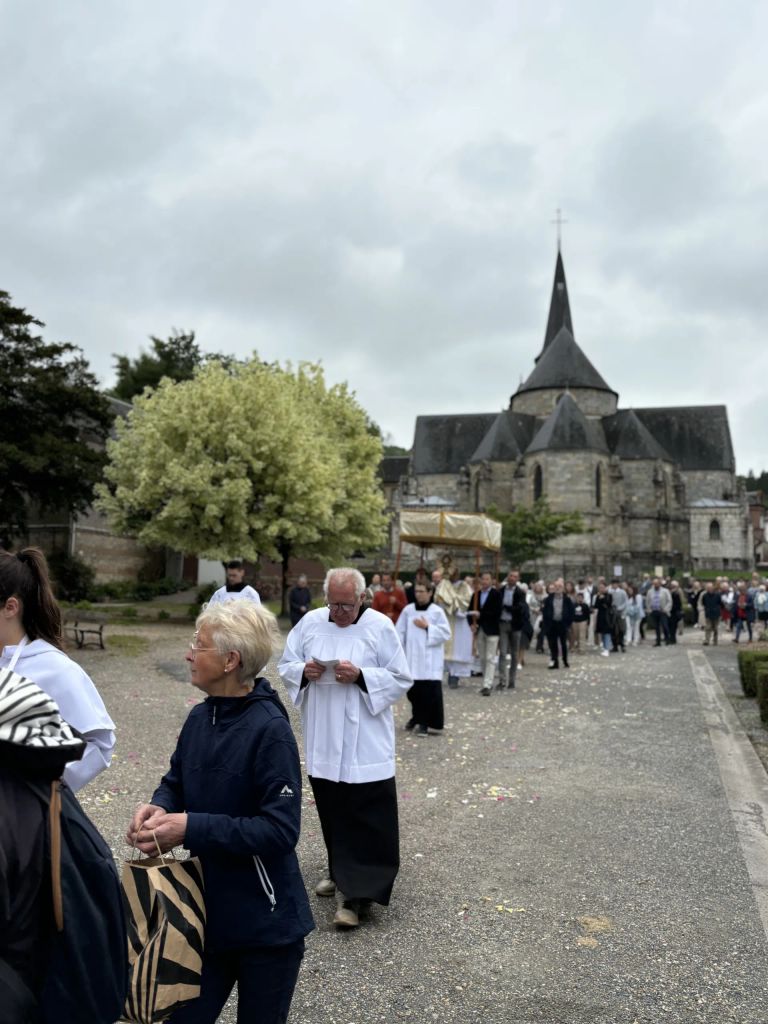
(31, 644)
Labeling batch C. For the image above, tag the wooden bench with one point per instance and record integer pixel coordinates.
(81, 624)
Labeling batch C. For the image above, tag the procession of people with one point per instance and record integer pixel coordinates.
(232, 791)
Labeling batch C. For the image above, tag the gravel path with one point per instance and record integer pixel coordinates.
(567, 852)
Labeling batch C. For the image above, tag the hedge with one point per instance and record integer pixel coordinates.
(762, 690)
(749, 661)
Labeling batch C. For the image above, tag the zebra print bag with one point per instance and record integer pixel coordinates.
(166, 928)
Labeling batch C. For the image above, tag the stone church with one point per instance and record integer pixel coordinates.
(655, 486)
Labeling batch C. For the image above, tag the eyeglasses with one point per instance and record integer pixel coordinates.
(335, 606)
(195, 649)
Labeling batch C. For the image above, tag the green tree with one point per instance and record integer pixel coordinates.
(55, 422)
(528, 533)
(248, 459)
(177, 357)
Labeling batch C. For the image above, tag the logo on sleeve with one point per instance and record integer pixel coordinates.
(286, 791)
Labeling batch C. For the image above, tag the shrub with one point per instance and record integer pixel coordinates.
(162, 615)
(205, 593)
(73, 578)
(749, 661)
(129, 613)
(144, 591)
(762, 689)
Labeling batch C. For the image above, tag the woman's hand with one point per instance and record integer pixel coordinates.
(161, 830)
(142, 812)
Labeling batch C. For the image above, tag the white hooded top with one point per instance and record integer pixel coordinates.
(349, 734)
(78, 700)
(424, 648)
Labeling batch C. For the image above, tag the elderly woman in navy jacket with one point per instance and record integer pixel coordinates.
(232, 796)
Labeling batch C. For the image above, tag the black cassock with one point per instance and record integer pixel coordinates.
(362, 836)
(426, 697)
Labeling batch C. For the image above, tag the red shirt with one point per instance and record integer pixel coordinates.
(390, 602)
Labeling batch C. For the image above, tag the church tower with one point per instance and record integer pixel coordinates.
(562, 366)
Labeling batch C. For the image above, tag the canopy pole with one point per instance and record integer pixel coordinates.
(399, 552)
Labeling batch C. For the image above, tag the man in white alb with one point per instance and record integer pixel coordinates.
(344, 667)
(235, 588)
(424, 630)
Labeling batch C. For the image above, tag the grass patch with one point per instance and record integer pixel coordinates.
(124, 643)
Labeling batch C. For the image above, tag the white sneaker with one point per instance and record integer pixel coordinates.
(519, 667)
(604, 653)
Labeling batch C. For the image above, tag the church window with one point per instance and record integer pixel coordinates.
(598, 487)
(714, 530)
(538, 483)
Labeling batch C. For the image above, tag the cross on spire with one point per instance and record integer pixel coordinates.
(559, 220)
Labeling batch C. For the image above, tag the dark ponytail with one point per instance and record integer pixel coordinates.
(25, 576)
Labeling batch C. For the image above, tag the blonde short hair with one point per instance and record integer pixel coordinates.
(243, 626)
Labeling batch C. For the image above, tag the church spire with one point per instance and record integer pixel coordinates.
(559, 307)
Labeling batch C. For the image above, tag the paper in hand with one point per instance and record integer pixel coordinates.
(329, 675)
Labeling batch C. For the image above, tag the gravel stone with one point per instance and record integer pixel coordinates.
(568, 855)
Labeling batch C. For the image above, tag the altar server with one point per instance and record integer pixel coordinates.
(344, 667)
(424, 630)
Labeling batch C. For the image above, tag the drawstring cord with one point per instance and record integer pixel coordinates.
(266, 885)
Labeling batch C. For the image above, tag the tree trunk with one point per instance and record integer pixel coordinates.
(285, 557)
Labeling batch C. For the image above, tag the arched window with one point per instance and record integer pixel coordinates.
(598, 487)
(714, 530)
(538, 483)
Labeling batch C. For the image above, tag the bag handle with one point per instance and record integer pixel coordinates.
(54, 821)
(160, 853)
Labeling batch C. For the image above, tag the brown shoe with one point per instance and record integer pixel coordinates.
(346, 915)
(325, 887)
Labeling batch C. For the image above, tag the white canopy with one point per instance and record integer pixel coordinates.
(452, 529)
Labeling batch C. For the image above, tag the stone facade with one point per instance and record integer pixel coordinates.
(637, 476)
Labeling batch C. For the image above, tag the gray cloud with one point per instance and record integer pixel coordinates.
(377, 191)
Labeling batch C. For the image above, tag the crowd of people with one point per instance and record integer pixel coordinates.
(493, 626)
(232, 793)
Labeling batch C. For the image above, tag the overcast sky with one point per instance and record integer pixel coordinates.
(372, 185)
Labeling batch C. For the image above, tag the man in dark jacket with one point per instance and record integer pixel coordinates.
(28, 718)
(712, 603)
(512, 618)
(484, 614)
(557, 619)
(299, 600)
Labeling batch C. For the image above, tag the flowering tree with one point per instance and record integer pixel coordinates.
(250, 458)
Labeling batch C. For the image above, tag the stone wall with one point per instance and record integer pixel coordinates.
(88, 537)
(733, 549)
(542, 401)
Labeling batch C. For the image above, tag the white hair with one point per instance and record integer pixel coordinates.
(245, 627)
(342, 576)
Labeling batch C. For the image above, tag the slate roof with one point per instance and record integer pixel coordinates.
(629, 438)
(559, 307)
(443, 444)
(696, 436)
(509, 436)
(568, 429)
(562, 364)
(392, 467)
